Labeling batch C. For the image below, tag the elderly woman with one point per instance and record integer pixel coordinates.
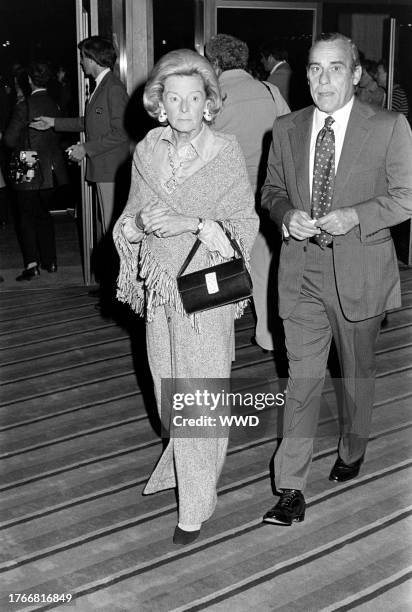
(185, 178)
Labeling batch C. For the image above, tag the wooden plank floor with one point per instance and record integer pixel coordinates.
(79, 437)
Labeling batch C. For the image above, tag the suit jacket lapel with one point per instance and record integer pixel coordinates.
(356, 134)
(300, 146)
(97, 93)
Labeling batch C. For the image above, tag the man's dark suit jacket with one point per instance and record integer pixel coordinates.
(47, 143)
(107, 143)
(281, 77)
(375, 177)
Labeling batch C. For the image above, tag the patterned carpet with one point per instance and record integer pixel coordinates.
(78, 439)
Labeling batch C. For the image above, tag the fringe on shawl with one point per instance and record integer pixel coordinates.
(231, 228)
(129, 290)
(162, 287)
(138, 261)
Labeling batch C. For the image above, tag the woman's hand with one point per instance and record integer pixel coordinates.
(157, 219)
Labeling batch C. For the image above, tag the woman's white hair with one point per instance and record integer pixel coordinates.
(182, 62)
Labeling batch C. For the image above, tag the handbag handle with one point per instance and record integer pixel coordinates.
(196, 245)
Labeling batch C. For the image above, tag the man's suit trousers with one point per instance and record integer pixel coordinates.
(260, 269)
(317, 318)
(105, 196)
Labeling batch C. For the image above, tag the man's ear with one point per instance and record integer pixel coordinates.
(357, 73)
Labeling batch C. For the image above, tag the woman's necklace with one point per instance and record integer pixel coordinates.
(171, 184)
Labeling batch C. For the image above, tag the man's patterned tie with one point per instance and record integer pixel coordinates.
(323, 177)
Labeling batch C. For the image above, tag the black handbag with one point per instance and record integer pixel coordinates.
(218, 285)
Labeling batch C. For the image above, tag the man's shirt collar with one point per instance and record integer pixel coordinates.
(341, 116)
(276, 66)
(100, 77)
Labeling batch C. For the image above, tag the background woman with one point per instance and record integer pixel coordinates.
(185, 177)
(34, 198)
(400, 102)
(368, 90)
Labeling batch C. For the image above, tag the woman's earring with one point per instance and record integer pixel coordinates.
(207, 115)
(162, 116)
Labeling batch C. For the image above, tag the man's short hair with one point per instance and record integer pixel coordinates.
(275, 49)
(335, 36)
(99, 49)
(227, 52)
(40, 73)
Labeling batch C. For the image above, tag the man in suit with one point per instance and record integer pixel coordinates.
(107, 143)
(338, 270)
(274, 61)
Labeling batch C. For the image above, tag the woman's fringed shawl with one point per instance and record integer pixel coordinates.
(220, 190)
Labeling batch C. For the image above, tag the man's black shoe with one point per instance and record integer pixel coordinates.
(341, 471)
(289, 509)
(28, 274)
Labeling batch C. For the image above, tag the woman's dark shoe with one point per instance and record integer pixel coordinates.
(181, 536)
(341, 471)
(28, 274)
(50, 267)
(289, 509)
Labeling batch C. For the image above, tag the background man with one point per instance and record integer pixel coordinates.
(399, 98)
(338, 270)
(107, 143)
(274, 61)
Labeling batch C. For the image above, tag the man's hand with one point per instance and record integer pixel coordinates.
(76, 152)
(299, 225)
(42, 123)
(339, 222)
